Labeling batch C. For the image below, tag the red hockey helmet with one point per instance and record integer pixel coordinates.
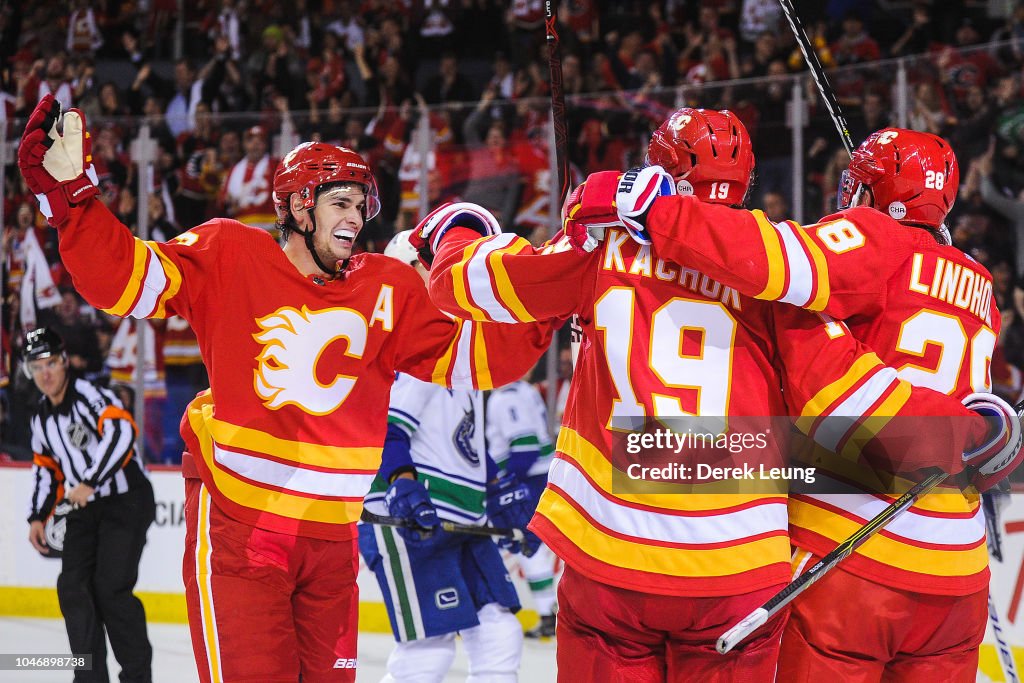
(708, 153)
(912, 176)
(312, 164)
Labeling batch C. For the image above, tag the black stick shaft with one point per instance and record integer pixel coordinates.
(818, 73)
(557, 101)
(451, 527)
(774, 605)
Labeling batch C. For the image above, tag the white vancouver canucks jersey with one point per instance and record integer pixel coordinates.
(446, 430)
(517, 421)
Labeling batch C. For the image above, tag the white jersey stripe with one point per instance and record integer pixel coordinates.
(838, 422)
(912, 526)
(204, 582)
(462, 364)
(649, 524)
(478, 277)
(312, 482)
(152, 287)
(801, 270)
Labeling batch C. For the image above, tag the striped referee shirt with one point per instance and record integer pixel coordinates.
(88, 439)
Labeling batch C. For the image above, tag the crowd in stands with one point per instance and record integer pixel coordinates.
(220, 85)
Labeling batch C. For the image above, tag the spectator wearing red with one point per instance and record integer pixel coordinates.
(57, 81)
(963, 67)
(84, 36)
(853, 47)
(247, 195)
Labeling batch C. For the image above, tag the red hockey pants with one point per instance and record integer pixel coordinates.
(614, 635)
(265, 606)
(849, 629)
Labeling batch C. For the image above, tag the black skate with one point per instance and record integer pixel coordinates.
(545, 629)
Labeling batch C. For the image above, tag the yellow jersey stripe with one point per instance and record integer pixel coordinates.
(773, 290)
(655, 494)
(173, 280)
(481, 370)
(503, 285)
(444, 363)
(639, 556)
(887, 550)
(131, 288)
(869, 428)
(458, 275)
(207, 614)
(265, 499)
(318, 455)
(820, 402)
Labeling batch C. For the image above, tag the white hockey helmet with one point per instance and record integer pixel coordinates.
(400, 248)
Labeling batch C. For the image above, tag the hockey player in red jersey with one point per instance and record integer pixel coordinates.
(926, 309)
(653, 577)
(302, 345)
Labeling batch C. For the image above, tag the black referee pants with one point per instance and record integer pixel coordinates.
(100, 564)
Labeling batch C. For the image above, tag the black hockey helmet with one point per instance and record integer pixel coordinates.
(42, 343)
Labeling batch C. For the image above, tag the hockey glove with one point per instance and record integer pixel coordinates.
(610, 199)
(408, 499)
(55, 156)
(508, 506)
(995, 459)
(426, 237)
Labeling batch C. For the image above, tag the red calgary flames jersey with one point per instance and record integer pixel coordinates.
(925, 308)
(289, 436)
(668, 341)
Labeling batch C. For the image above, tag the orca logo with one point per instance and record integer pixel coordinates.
(462, 437)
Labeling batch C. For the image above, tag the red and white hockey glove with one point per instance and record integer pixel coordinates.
(55, 156)
(995, 459)
(608, 199)
(426, 237)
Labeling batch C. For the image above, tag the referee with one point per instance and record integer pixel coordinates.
(83, 451)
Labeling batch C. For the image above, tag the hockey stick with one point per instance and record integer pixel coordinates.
(1003, 649)
(561, 141)
(774, 605)
(557, 101)
(992, 507)
(451, 527)
(818, 73)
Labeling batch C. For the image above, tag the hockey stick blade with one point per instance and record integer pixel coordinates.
(750, 623)
(740, 631)
(1003, 649)
(451, 527)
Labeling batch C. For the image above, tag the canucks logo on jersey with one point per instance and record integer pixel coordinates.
(462, 437)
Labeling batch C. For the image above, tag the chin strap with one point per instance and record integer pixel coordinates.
(307, 235)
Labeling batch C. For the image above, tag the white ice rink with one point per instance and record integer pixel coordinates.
(173, 662)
